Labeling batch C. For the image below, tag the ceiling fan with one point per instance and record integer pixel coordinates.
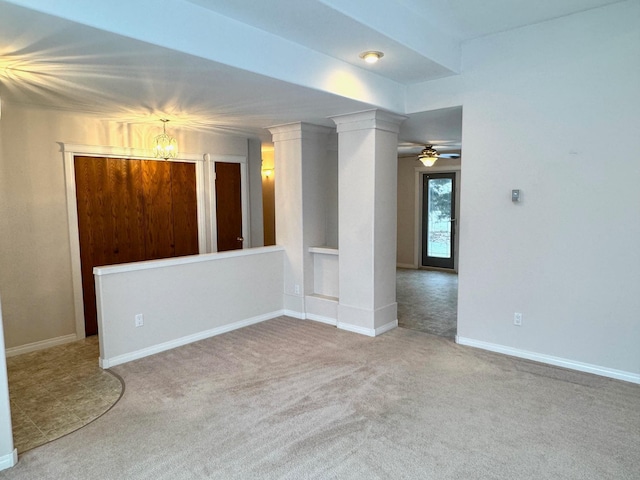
(429, 153)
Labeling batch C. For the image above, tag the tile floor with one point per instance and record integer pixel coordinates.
(58, 390)
(428, 301)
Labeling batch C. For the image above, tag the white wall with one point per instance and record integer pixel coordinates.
(184, 299)
(35, 264)
(331, 192)
(551, 109)
(8, 454)
(406, 211)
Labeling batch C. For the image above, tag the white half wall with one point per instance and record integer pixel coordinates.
(184, 299)
(551, 109)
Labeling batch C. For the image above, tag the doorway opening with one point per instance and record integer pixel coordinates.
(428, 219)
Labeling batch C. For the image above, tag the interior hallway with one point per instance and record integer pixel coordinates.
(56, 391)
(427, 301)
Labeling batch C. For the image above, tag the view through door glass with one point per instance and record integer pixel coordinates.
(438, 220)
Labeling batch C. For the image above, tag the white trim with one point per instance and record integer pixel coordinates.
(386, 328)
(9, 460)
(406, 265)
(123, 152)
(168, 262)
(322, 319)
(324, 250)
(551, 360)
(294, 314)
(369, 332)
(201, 209)
(145, 352)
(69, 152)
(417, 230)
(41, 345)
(244, 192)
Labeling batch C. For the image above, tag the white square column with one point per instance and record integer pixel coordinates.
(367, 192)
(301, 152)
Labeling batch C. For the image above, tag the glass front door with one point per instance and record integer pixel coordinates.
(438, 220)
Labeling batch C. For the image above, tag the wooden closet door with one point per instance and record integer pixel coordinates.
(110, 220)
(129, 211)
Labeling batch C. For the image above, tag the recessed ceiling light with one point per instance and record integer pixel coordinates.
(371, 56)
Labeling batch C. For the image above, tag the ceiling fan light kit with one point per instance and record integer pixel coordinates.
(428, 156)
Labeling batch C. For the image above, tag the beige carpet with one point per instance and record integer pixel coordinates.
(290, 399)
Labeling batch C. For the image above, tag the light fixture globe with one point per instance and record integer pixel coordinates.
(165, 146)
(428, 156)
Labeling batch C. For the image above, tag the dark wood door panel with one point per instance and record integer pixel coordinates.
(126, 205)
(228, 206)
(156, 185)
(185, 213)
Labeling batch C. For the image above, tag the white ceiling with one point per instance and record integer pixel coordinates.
(241, 66)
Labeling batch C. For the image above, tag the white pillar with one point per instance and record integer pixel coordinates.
(367, 190)
(300, 182)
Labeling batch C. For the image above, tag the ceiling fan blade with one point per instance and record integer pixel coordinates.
(446, 146)
(413, 150)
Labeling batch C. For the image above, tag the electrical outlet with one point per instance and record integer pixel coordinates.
(517, 319)
(296, 288)
(139, 320)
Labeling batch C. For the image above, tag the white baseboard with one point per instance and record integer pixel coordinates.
(41, 345)
(387, 327)
(321, 319)
(179, 342)
(9, 460)
(407, 265)
(550, 360)
(370, 332)
(294, 314)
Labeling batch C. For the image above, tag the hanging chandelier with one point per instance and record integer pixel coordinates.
(165, 146)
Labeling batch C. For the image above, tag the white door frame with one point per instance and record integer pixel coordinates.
(70, 151)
